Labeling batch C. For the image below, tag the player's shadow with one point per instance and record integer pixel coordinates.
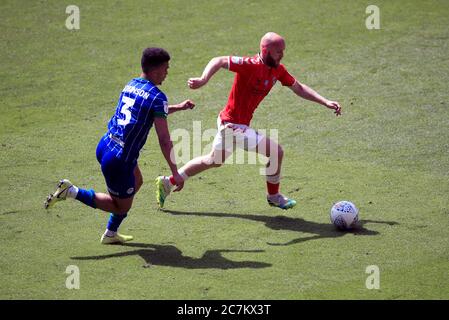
(319, 230)
(169, 255)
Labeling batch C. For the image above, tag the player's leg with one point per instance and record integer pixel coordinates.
(117, 206)
(111, 234)
(65, 189)
(110, 203)
(275, 154)
(123, 180)
(96, 200)
(113, 204)
(222, 148)
(214, 159)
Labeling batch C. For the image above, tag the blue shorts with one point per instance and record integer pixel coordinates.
(119, 175)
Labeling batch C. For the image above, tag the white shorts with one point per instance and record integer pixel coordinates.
(241, 136)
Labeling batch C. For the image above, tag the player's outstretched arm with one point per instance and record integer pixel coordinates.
(308, 93)
(166, 145)
(185, 105)
(212, 67)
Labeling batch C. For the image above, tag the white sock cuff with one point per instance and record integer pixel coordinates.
(274, 179)
(72, 192)
(109, 233)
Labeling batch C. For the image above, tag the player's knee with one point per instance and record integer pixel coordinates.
(213, 164)
(213, 161)
(216, 164)
(122, 208)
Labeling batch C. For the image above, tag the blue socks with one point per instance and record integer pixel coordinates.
(114, 221)
(87, 197)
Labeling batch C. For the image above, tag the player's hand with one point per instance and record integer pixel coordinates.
(188, 104)
(179, 181)
(334, 105)
(196, 83)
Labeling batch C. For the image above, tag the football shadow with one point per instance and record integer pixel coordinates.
(319, 230)
(171, 256)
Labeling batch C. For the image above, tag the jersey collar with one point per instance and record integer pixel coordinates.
(142, 78)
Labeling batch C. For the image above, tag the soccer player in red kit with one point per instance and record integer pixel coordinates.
(254, 78)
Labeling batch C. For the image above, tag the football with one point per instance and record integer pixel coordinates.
(344, 215)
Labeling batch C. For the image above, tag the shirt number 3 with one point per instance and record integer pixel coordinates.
(127, 104)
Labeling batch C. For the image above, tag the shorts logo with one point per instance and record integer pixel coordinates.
(237, 60)
(130, 190)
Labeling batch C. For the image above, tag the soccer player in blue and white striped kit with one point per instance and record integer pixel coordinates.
(141, 104)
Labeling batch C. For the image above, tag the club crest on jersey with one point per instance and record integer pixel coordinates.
(266, 82)
(237, 60)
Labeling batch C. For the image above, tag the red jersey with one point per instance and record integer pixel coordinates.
(252, 82)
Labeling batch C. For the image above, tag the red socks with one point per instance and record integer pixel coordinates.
(273, 188)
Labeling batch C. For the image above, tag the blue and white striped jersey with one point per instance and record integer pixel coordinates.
(139, 103)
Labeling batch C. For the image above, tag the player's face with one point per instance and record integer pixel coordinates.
(161, 73)
(275, 54)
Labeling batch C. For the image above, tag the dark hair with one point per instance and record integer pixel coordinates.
(153, 57)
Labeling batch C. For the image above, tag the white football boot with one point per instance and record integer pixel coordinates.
(60, 193)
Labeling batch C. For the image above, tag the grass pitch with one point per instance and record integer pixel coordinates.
(218, 239)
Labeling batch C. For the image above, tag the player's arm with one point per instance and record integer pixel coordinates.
(187, 104)
(166, 145)
(212, 67)
(308, 93)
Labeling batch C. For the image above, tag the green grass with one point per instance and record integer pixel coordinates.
(388, 153)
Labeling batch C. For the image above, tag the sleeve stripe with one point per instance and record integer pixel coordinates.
(160, 114)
